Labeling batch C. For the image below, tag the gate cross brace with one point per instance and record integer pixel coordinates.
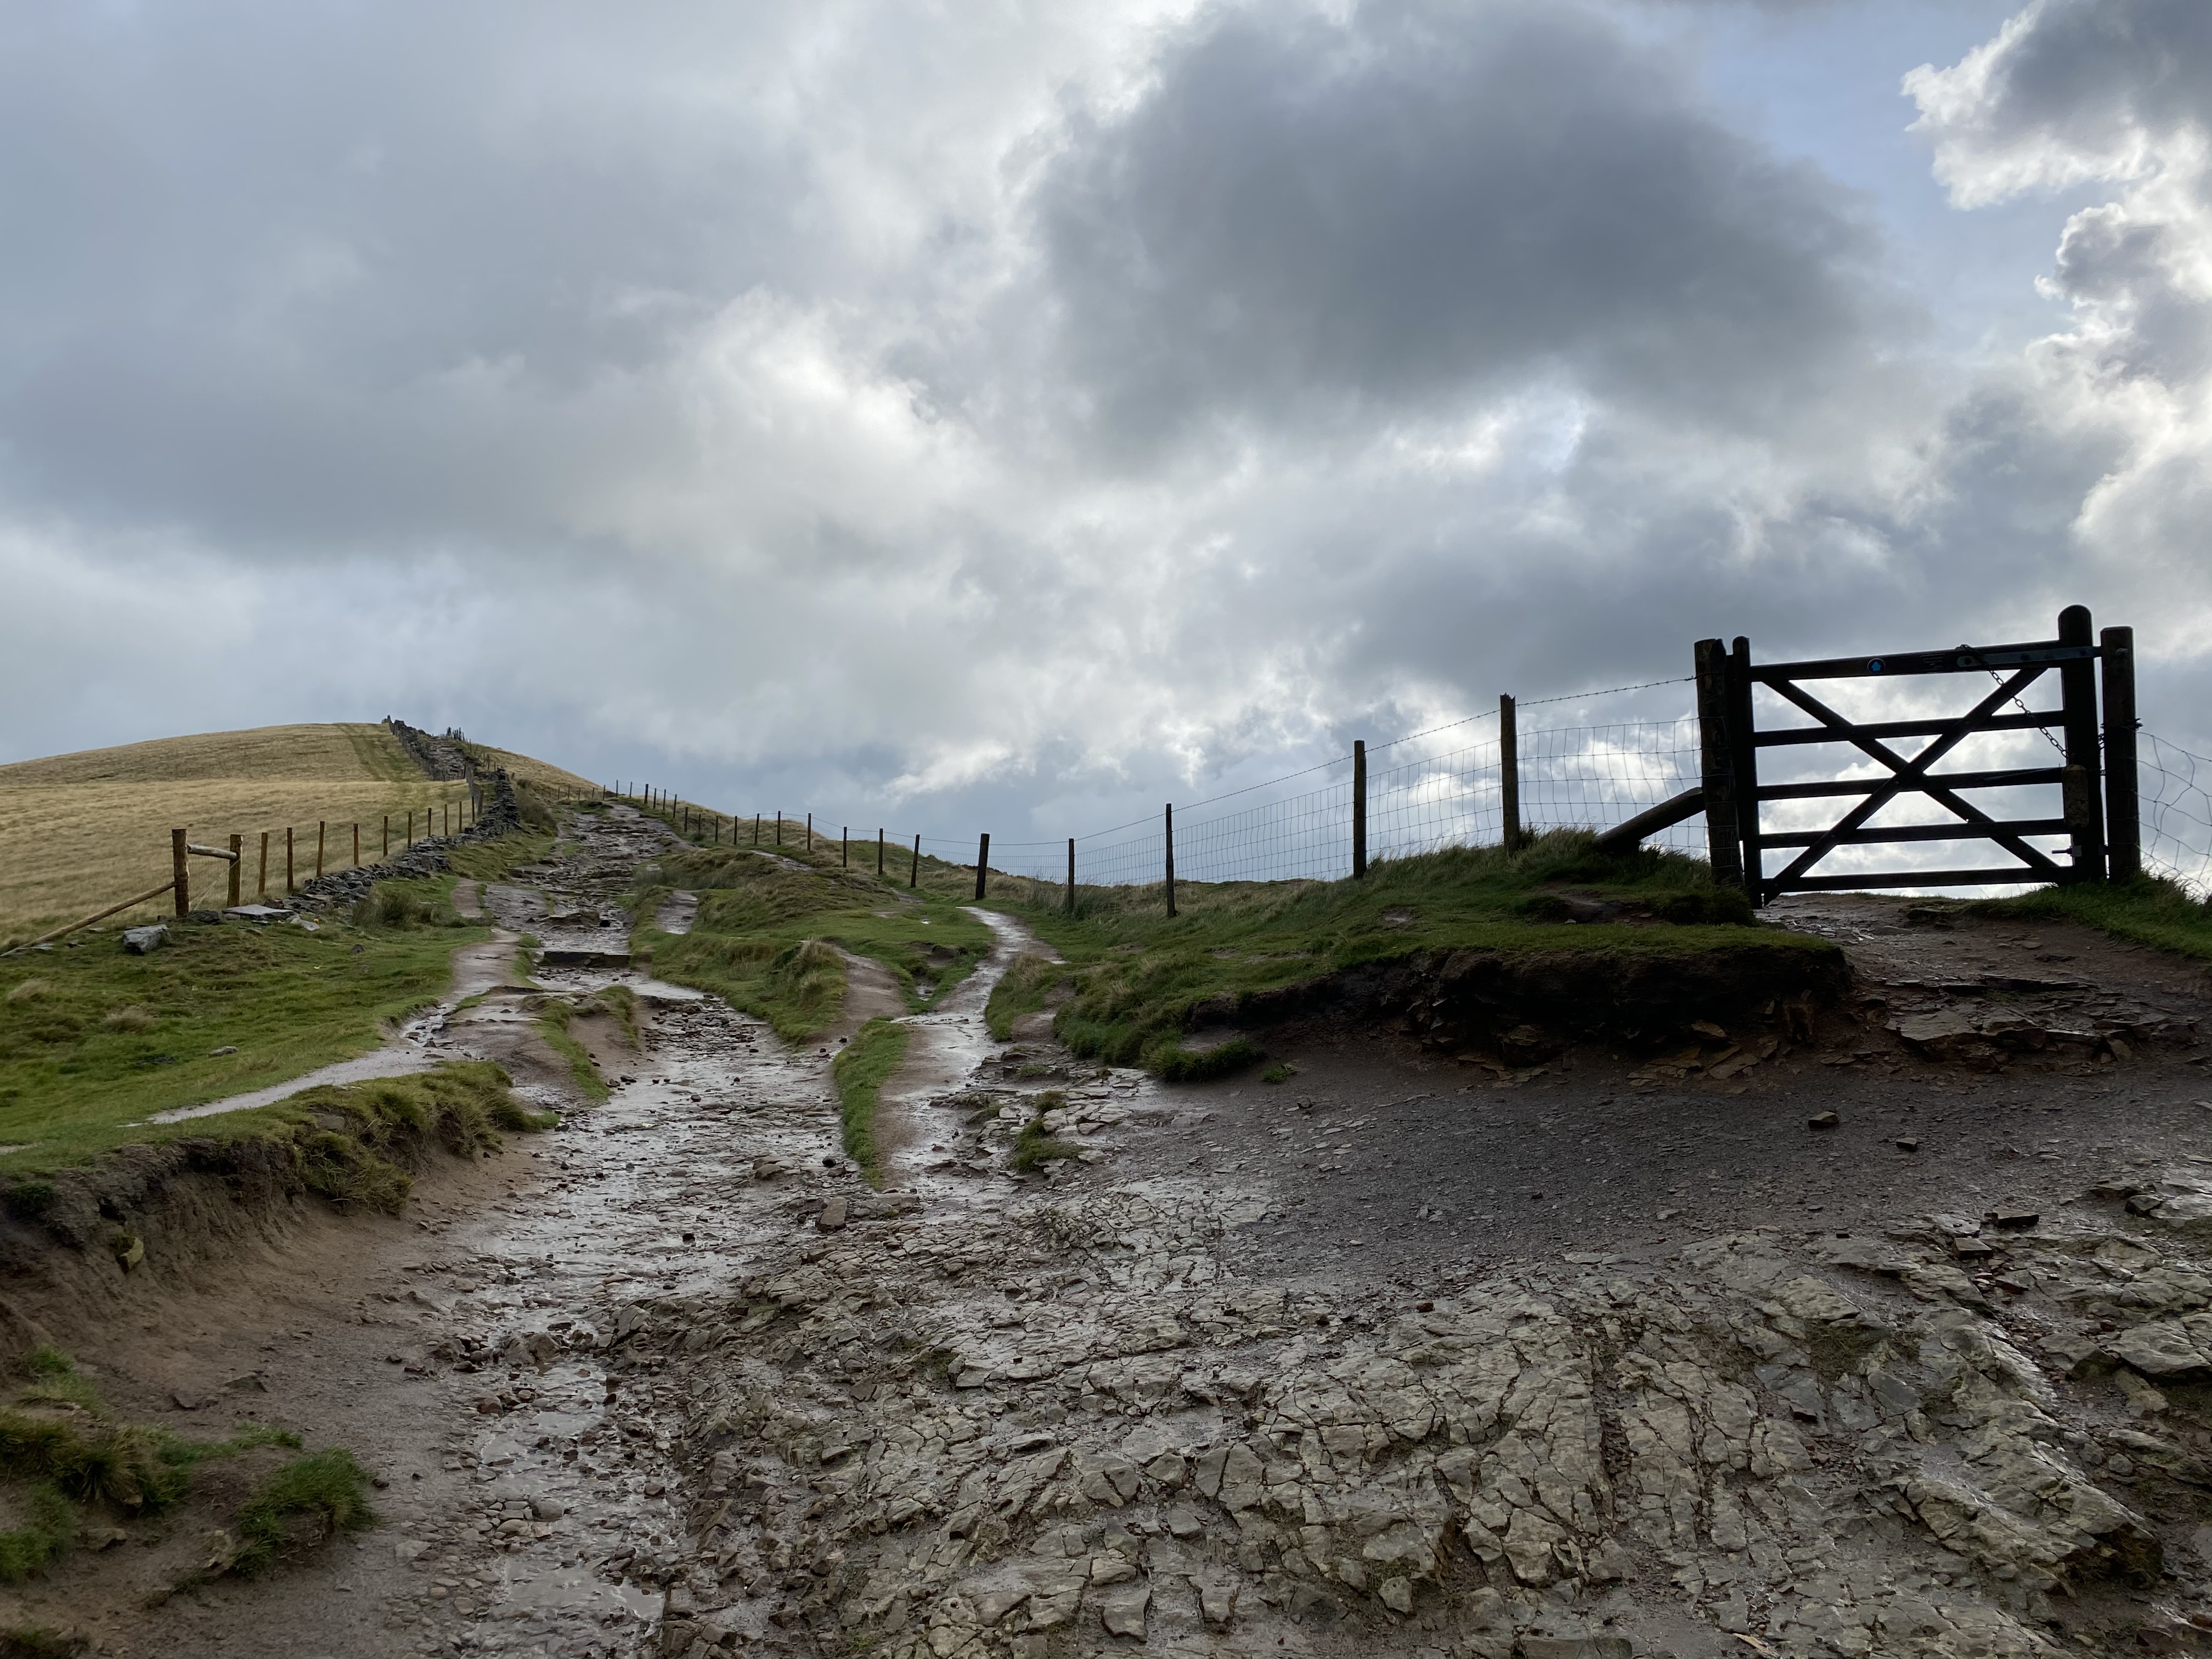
(1911, 774)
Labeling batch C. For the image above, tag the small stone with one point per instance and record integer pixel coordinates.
(1397, 1594)
(1574, 1647)
(1112, 1569)
(1184, 1521)
(2015, 1218)
(1823, 1121)
(408, 1549)
(139, 940)
(833, 1215)
(547, 1509)
(227, 1048)
(1216, 1600)
(1907, 1144)
(1122, 1611)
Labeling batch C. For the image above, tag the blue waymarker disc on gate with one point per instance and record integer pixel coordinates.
(1874, 666)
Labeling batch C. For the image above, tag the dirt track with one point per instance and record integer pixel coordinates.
(1406, 1353)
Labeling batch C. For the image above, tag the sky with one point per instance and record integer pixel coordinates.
(1013, 415)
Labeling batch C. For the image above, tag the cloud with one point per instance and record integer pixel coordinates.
(1412, 205)
(2119, 93)
(1018, 413)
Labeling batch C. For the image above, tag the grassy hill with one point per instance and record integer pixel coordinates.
(84, 830)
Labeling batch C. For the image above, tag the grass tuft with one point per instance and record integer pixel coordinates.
(309, 1499)
(553, 1020)
(1021, 989)
(859, 1071)
(1175, 1064)
(49, 1525)
(2148, 910)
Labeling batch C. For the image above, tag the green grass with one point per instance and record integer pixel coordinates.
(37, 1642)
(859, 1071)
(59, 1461)
(1137, 979)
(2145, 911)
(310, 1498)
(769, 932)
(1033, 1146)
(553, 1024)
(92, 1040)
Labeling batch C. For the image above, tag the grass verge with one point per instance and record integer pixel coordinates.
(93, 1040)
(1137, 980)
(770, 931)
(859, 1071)
(553, 1024)
(2146, 911)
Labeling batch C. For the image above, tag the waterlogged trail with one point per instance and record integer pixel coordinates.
(1301, 1370)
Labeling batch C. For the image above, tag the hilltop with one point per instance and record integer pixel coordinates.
(83, 830)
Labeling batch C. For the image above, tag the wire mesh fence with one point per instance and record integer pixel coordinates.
(1448, 787)
(2176, 813)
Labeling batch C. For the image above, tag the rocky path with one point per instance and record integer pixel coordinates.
(1408, 1354)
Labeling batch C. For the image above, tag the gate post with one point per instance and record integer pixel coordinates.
(1743, 765)
(983, 863)
(1722, 846)
(2077, 684)
(2123, 806)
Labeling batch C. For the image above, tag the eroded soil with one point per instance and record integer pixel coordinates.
(1413, 1352)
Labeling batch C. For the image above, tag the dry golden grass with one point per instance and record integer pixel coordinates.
(546, 778)
(80, 831)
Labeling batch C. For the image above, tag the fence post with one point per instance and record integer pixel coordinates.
(1717, 775)
(879, 850)
(181, 874)
(290, 884)
(356, 847)
(913, 876)
(983, 863)
(2122, 804)
(779, 829)
(810, 832)
(321, 827)
(261, 876)
(1358, 808)
(1743, 767)
(2077, 682)
(1070, 875)
(383, 850)
(756, 822)
(1509, 775)
(237, 873)
(845, 848)
(1167, 835)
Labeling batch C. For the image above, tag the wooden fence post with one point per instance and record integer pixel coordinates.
(1070, 875)
(384, 850)
(261, 877)
(290, 884)
(779, 829)
(1723, 844)
(1358, 808)
(1508, 774)
(237, 871)
(810, 832)
(181, 874)
(1167, 832)
(2077, 683)
(2122, 804)
(1743, 767)
(845, 848)
(356, 847)
(757, 821)
(914, 875)
(321, 827)
(983, 863)
(879, 850)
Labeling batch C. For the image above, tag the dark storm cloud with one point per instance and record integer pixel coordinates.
(1425, 202)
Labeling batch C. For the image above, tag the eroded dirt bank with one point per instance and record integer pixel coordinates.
(1408, 1354)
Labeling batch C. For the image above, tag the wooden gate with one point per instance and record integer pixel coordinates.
(2101, 825)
